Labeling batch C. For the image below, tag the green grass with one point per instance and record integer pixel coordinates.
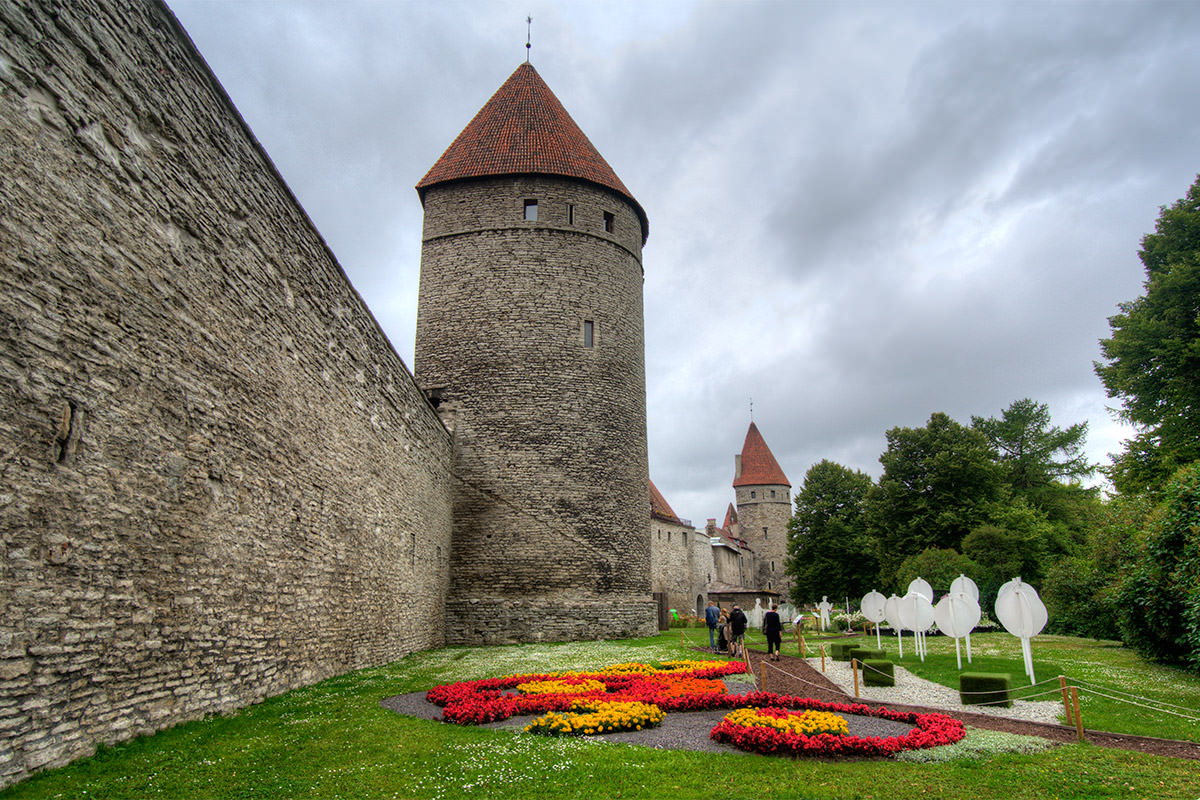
(1099, 663)
(333, 740)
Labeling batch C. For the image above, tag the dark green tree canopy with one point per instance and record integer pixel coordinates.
(1152, 360)
(938, 484)
(1034, 453)
(829, 552)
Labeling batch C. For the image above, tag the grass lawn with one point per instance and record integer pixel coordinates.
(333, 740)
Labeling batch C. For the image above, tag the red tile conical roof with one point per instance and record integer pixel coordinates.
(523, 129)
(759, 467)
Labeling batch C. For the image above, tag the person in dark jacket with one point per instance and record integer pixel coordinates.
(737, 625)
(711, 617)
(773, 630)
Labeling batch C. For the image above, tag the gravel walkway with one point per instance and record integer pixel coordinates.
(913, 691)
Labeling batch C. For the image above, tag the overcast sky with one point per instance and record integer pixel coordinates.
(860, 212)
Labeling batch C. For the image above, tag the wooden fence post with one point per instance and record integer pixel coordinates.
(1078, 713)
(1066, 698)
(854, 669)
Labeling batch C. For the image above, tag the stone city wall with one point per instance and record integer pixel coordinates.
(219, 481)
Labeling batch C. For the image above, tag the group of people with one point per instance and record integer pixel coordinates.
(727, 630)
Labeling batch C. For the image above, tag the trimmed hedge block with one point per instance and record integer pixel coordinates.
(878, 672)
(985, 689)
(841, 650)
(864, 653)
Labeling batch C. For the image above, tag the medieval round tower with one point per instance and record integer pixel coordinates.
(530, 339)
(764, 506)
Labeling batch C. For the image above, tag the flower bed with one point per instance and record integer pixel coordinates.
(590, 717)
(931, 730)
(635, 696)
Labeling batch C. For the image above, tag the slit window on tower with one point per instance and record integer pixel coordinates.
(609, 220)
(531, 210)
(570, 213)
(589, 333)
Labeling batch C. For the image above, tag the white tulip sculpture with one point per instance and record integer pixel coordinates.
(872, 607)
(964, 585)
(916, 614)
(955, 615)
(891, 610)
(1022, 614)
(921, 586)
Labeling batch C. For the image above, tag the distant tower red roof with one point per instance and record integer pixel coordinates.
(659, 507)
(523, 129)
(759, 467)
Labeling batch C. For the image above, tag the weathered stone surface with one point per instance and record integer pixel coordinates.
(219, 479)
(763, 514)
(550, 433)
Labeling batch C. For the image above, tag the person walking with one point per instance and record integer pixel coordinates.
(737, 624)
(773, 630)
(711, 617)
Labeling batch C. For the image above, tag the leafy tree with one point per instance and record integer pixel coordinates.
(1152, 360)
(1080, 591)
(1015, 541)
(1038, 458)
(938, 566)
(829, 552)
(937, 485)
(1159, 600)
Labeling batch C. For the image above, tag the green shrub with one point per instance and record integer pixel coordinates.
(841, 650)
(1159, 601)
(985, 689)
(864, 653)
(878, 672)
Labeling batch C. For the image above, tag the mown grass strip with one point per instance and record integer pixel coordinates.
(333, 740)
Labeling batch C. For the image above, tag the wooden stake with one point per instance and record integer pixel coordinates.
(1078, 715)
(1062, 683)
(803, 647)
(854, 669)
(822, 658)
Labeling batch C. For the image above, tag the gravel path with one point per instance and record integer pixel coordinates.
(913, 691)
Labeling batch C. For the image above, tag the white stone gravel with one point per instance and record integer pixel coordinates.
(913, 691)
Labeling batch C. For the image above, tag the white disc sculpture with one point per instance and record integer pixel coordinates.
(1022, 614)
(964, 585)
(921, 586)
(891, 610)
(916, 614)
(955, 615)
(872, 607)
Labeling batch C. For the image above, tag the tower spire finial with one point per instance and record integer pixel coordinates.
(528, 36)
(752, 409)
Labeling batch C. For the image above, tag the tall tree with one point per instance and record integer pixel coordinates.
(829, 552)
(1035, 454)
(938, 484)
(1152, 360)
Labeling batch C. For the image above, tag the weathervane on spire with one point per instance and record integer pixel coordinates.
(528, 32)
(752, 409)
